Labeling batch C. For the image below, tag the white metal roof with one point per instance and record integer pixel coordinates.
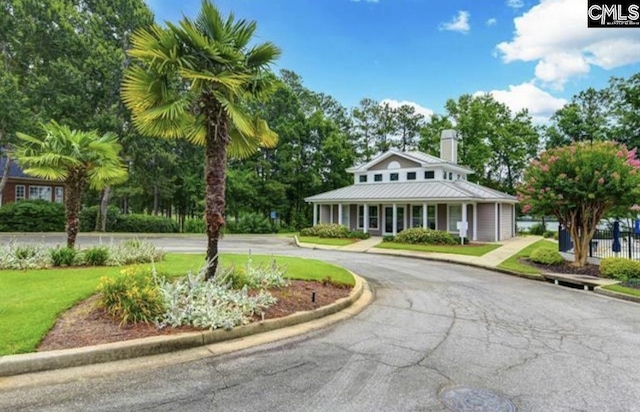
(437, 190)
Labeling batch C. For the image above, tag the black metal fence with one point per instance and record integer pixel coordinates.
(602, 244)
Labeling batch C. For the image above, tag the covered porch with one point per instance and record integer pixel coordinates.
(381, 219)
(484, 221)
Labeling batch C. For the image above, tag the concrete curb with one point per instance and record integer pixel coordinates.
(12, 365)
(613, 294)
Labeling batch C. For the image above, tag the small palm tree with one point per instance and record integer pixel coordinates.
(78, 158)
(193, 80)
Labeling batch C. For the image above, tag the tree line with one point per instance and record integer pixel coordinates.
(65, 60)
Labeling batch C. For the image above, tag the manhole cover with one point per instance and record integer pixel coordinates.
(468, 399)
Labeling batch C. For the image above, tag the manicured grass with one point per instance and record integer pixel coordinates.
(471, 250)
(623, 289)
(513, 264)
(326, 241)
(30, 301)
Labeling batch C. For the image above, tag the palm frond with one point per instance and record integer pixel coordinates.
(262, 55)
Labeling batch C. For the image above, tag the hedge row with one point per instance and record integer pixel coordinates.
(44, 216)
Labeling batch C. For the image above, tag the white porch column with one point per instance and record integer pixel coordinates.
(395, 219)
(315, 214)
(331, 214)
(436, 217)
(464, 219)
(475, 222)
(365, 219)
(339, 213)
(496, 223)
(424, 216)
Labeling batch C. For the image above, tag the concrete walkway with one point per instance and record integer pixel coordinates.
(363, 245)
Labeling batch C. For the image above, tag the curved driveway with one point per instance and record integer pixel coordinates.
(432, 325)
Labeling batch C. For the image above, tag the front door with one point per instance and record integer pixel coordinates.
(388, 219)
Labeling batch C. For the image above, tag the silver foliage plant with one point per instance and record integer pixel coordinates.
(209, 304)
(260, 276)
(24, 256)
(133, 251)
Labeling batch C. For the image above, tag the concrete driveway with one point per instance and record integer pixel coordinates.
(431, 327)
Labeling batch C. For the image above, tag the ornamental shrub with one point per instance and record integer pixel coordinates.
(96, 256)
(418, 235)
(63, 256)
(88, 218)
(358, 235)
(133, 296)
(32, 216)
(253, 223)
(545, 256)
(537, 229)
(308, 231)
(139, 223)
(194, 226)
(622, 269)
(333, 231)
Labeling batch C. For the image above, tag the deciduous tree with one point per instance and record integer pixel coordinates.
(579, 184)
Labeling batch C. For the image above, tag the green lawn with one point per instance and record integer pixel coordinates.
(326, 241)
(30, 301)
(513, 264)
(623, 289)
(471, 250)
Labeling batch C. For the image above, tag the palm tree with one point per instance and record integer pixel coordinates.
(76, 157)
(193, 80)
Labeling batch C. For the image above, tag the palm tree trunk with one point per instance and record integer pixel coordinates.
(215, 172)
(104, 206)
(74, 187)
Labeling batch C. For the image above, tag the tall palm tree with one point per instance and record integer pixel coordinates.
(192, 80)
(76, 157)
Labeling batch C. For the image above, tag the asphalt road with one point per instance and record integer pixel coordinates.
(431, 326)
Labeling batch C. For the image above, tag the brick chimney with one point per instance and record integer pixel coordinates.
(449, 145)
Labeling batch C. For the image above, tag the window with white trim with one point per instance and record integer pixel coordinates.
(394, 177)
(455, 216)
(411, 175)
(429, 174)
(373, 217)
(416, 216)
(59, 194)
(20, 192)
(40, 192)
(377, 177)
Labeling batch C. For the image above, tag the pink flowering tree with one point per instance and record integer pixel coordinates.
(580, 184)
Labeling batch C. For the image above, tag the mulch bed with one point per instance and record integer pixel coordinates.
(87, 324)
(566, 268)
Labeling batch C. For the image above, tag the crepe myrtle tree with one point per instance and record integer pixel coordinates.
(580, 184)
(78, 158)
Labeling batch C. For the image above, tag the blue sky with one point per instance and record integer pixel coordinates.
(533, 54)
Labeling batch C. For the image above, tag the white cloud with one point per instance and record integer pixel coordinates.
(460, 23)
(491, 22)
(515, 4)
(541, 105)
(427, 113)
(554, 33)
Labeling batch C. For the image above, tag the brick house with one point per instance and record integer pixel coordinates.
(21, 186)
